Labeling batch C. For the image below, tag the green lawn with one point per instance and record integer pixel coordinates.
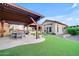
(52, 46)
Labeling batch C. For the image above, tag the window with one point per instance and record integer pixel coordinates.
(63, 29)
(50, 29)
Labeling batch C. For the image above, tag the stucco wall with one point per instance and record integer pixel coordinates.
(49, 24)
(54, 27)
(60, 28)
(46, 24)
(6, 29)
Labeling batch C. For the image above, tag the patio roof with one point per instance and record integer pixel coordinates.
(55, 22)
(14, 14)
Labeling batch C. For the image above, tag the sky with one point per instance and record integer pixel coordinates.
(67, 13)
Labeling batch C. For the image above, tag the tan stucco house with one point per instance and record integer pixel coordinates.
(54, 27)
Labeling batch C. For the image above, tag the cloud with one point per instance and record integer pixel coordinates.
(56, 18)
(74, 5)
(69, 19)
(77, 19)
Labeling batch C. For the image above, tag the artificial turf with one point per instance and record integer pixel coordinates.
(52, 46)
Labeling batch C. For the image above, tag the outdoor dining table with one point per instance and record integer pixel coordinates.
(16, 35)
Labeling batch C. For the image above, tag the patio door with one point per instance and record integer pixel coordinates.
(49, 29)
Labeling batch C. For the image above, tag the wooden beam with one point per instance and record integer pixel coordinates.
(27, 28)
(33, 21)
(36, 31)
(36, 27)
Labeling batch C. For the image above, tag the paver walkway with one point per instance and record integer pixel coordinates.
(73, 37)
(68, 36)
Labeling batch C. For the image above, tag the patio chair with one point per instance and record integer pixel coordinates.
(19, 35)
(14, 35)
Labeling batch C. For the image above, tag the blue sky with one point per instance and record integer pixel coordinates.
(67, 13)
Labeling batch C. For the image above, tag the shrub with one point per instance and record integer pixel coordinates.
(53, 33)
(73, 30)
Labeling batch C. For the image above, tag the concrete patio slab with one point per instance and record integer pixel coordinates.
(7, 42)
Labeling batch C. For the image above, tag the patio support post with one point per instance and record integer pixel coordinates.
(2, 28)
(27, 29)
(41, 31)
(23, 28)
(36, 27)
(36, 31)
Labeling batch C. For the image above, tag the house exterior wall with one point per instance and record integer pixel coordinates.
(56, 27)
(60, 29)
(48, 24)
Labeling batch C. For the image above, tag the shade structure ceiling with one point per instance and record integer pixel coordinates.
(14, 14)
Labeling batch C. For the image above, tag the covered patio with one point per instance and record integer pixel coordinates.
(13, 14)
